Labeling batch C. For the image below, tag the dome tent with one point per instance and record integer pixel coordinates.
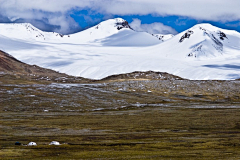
(32, 144)
(54, 143)
(18, 144)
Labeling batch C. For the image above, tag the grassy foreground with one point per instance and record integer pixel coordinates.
(121, 120)
(150, 133)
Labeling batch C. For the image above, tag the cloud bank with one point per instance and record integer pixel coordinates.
(57, 13)
(199, 9)
(154, 28)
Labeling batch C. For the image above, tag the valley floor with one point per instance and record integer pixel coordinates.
(144, 119)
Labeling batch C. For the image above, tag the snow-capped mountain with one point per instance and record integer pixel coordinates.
(203, 41)
(112, 47)
(111, 32)
(25, 31)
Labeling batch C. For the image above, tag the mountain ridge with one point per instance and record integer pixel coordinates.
(199, 53)
(102, 30)
(204, 41)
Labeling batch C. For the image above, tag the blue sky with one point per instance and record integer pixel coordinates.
(153, 16)
(179, 23)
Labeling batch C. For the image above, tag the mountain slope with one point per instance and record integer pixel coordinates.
(203, 41)
(26, 31)
(112, 47)
(162, 37)
(10, 65)
(99, 34)
(113, 32)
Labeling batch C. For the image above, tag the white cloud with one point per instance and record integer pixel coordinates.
(153, 28)
(51, 12)
(45, 5)
(200, 9)
(57, 11)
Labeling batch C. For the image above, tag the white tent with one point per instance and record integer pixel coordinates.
(54, 143)
(32, 144)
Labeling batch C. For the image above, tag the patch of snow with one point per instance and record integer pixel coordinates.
(98, 109)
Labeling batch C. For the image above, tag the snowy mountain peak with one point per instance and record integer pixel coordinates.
(205, 41)
(26, 25)
(112, 47)
(206, 26)
(206, 29)
(21, 31)
(19, 26)
(114, 32)
(117, 23)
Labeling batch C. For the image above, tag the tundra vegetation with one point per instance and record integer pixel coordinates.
(129, 117)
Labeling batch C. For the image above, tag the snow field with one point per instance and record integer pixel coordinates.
(201, 53)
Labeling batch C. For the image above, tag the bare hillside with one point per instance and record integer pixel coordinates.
(12, 68)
